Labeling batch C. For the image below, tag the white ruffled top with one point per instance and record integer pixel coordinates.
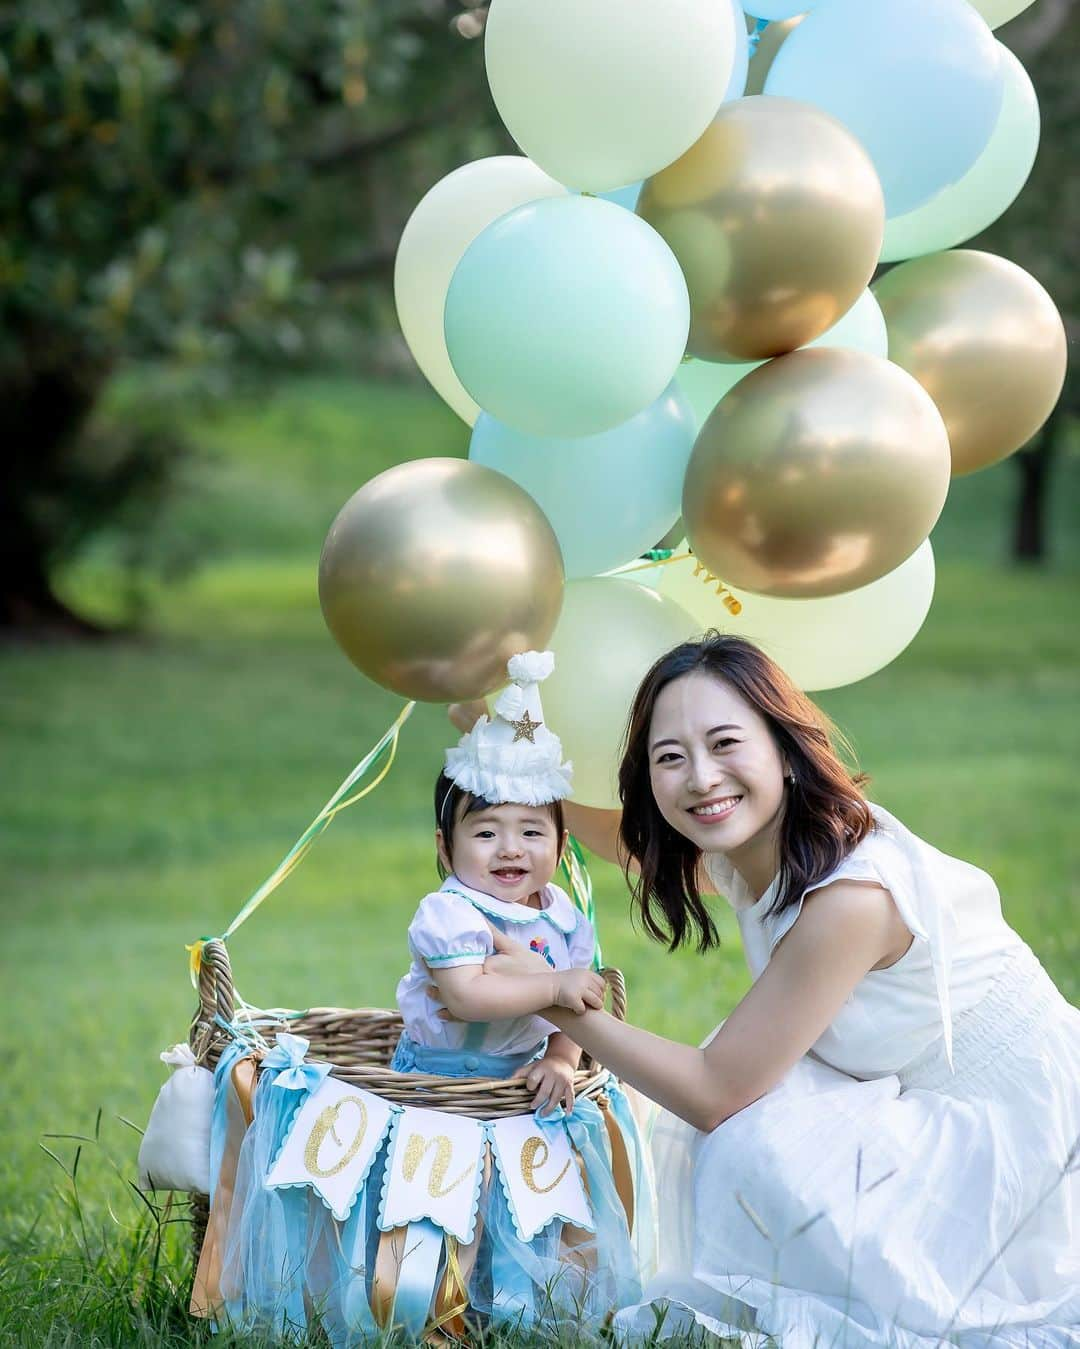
(894, 1015)
(452, 926)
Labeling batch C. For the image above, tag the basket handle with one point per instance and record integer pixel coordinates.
(216, 999)
(617, 988)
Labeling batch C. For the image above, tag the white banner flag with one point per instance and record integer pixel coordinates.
(434, 1171)
(540, 1174)
(332, 1143)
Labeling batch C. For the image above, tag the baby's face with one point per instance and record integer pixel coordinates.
(507, 851)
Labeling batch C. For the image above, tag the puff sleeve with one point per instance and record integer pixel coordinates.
(581, 944)
(447, 931)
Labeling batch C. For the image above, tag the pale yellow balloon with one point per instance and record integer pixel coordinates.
(443, 224)
(609, 634)
(997, 12)
(776, 218)
(435, 573)
(821, 643)
(819, 472)
(985, 341)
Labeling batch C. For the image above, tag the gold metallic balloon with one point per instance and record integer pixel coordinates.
(435, 573)
(772, 39)
(776, 217)
(817, 473)
(984, 340)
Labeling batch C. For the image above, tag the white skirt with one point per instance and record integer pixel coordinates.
(912, 1211)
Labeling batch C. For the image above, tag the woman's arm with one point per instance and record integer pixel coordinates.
(472, 993)
(842, 933)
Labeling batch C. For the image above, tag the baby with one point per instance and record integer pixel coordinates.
(500, 837)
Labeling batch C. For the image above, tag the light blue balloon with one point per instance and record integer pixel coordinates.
(778, 9)
(919, 82)
(609, 497)
(740, 67)
(626, 197)
(567, 316)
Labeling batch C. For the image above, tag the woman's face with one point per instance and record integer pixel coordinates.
(716, 772)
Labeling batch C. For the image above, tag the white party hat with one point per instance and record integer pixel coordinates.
(513, 756)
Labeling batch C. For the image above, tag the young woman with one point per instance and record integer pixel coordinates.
(879, 1146)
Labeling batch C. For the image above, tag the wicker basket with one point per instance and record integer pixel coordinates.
(360, 1043)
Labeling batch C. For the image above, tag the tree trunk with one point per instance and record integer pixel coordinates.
(1034, 466)
(46, 396)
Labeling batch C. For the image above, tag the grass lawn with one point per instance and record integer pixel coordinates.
(151, 784)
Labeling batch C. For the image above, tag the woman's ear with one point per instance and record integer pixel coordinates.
(441, 849)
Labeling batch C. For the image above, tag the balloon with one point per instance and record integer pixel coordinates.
(609, 497)
(997, 12)
(435, 573)
(821, 643)
(609, 634)
(917, 81)
(775, 216)
(566, 317)
(446, 220)
(861, 329)
(626, 197)
(816, 474)
(740, 64)
(776, 9)
(763, 55)
(602, 94)
(984, 340)
(988, 187)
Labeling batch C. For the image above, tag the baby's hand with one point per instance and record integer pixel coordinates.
(553, 1081)
(578, 990)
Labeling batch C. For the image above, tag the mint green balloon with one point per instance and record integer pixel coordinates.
(989, 186)
(566, 317)
(862, 328)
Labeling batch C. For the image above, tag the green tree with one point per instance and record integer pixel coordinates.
(176, 177)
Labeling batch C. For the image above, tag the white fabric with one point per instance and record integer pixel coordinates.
(175, 1150)
(514, 756)
(908, 1200)
(451, 927)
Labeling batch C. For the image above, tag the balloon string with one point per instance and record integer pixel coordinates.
(386, 751)
(731, 604)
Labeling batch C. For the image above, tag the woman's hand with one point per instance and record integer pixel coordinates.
(465, 715)
(552, 1079)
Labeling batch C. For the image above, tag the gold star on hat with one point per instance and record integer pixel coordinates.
(525, 729)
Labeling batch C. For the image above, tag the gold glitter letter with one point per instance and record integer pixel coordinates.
(415, 1149)
(325, 1125)
(534, 1153)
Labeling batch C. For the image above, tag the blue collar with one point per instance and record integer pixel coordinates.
(557, 910)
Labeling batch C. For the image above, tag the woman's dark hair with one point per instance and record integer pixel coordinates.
(449, 796)
(825, 813)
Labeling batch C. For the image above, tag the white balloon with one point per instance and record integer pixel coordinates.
(862, 328)
(442, 226)
(820, 643)
(604, 93)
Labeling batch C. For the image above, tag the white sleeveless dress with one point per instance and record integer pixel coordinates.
(915, 1180)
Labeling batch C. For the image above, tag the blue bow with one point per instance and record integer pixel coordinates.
(294, 1074)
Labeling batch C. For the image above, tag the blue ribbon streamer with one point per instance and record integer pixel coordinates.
(421, 1266)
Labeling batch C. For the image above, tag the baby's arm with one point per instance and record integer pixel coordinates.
(471, 994)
